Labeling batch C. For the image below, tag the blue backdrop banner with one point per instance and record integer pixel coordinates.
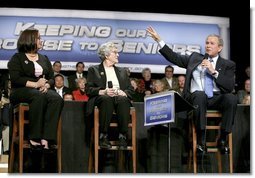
(75, 35)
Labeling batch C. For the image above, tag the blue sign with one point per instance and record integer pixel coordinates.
(159, 108)
(71, 35)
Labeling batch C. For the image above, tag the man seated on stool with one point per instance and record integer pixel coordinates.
(109, 88)
(222, 74)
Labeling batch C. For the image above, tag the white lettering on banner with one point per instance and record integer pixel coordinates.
(130, 33)
(8, 43)
(61, 30)
(89, 46)
(128, 47)
(58, 45)
(164, 116)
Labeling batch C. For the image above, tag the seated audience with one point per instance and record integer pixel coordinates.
(244, 95)
(57, 68)
(80, 93)
(59, 86)
(159, 86)
(80, 66)
(181, 82)
(138, 96)
(170, 82)
(146, 83)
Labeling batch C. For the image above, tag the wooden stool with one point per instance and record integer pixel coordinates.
(211, 146)
(19, 122)
(95, 140)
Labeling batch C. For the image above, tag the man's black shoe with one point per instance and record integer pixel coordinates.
(223, 146)
(104, 143)
(201, 148)
(122, 143)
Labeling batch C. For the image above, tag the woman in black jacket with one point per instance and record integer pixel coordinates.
(31, 77)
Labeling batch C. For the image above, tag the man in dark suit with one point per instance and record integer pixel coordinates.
(109, 88)
(223, 73)
(59, 86)
(72, 79)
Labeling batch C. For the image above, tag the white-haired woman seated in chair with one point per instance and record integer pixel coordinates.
(109, 88)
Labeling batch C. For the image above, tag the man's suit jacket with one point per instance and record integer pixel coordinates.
(65, 90)
(174, 83)
(226, 68)
(96, 80)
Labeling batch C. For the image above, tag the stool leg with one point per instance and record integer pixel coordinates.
(96, 138)
(91, 152)
(21, 137)
(12, 151)
(59, 144)
(133, 116)
(194, 138)
(219, 161)
(230, 144)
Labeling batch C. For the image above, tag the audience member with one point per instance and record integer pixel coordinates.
(5, 112)
(181, 83)
(159, 86)
(128, 71)
(59, 86)
(248, 72)
(109, 88)
(244, 95)
(57, 65)
(31, 77)
(146, 83)
(198, 70)
(170, 82)
(72, 79)
(138, 96)
(80, 93)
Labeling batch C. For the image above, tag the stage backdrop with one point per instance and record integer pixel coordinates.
(75, 35)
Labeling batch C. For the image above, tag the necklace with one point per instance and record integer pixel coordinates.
(32, 57)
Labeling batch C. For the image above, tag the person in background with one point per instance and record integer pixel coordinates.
(80, 66)
(181, 82)
(31, 78)
(57, 65)
(248, 72)
(128, 71)
(159, 86)
(244, 95)
(5, 112)
(222, 75)
(146, 83)
(170, 82)
(59, 86)
(80, 93)
(109, 88)
(138, 96)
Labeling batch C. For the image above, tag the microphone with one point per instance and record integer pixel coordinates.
(110, 84)
(206, 56)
